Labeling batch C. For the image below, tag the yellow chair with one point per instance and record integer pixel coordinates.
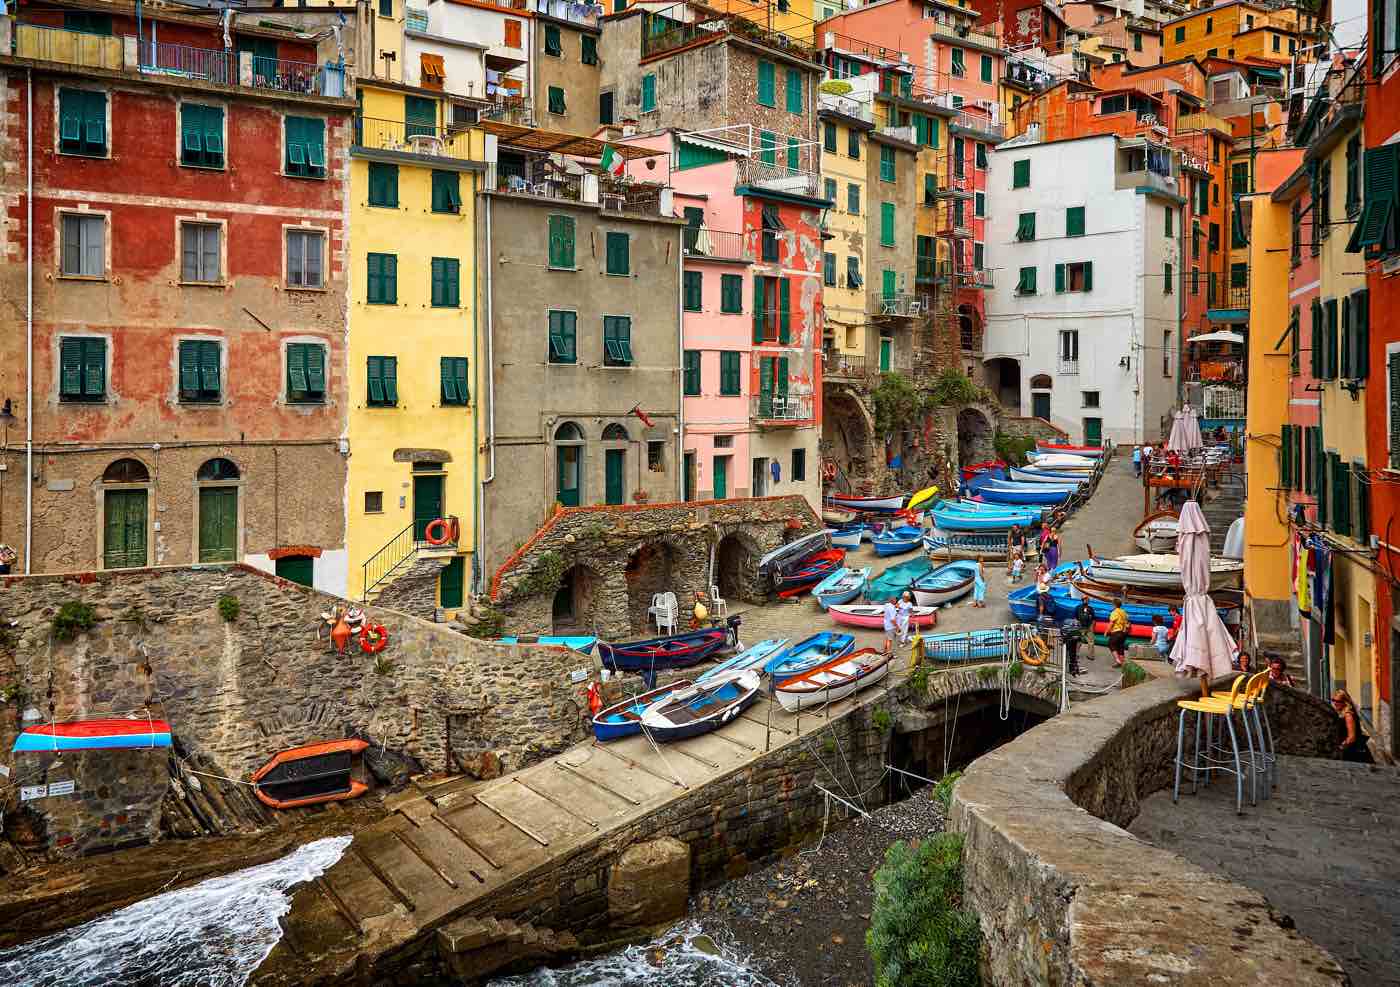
(1263, 760)
(1207, 709)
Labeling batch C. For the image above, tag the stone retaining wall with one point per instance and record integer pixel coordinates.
(1066, 896)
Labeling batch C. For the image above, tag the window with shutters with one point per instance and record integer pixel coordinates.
(1295, 247)
(693, 290)
(1329, 341)
(383, 184)
(1025, 284)
(1195, 280)
(306, 373)
(690, 372)
(979, 204)
(829, 270)
(199, 371)
(446, 282)
(455, 389)
(1294, 318)
(829, 137)
(588, 50)
(959, 157)
(512, 33)
(1074, 222)
(386, 8)
(200, 253)
(887, 167)
(1025, 226)
(887, 224)
(1378, 229)
(986, 68)
(853, 199)
(853, 278)
(619, 254)
(561, 242)
(767, 84)
(767, 147)
(853, 144)
(382, 380)
(552, 44)
(979, 257)
(201, 136)
(1340, 499)
(382, 279)
(1168, 280)
(1322, 201)
(731, 293)
(556, 100)
(82, 123)
(1021, 173)
(1361, 501)
(447, 191)
(305, 139)
(420, 115)
(605, 108)
(1356, 338)
(1168, 221)
(305, 253)
(563, 337)
(1073, 277)
(958, 62)
(1353, 196)
(794, 91)
(617, 341)
(729, 379)
(980, 155)
(829, 191)
(82, 369)
(83, 246)
(792, 154)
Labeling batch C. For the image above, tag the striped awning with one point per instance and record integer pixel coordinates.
(724, 147)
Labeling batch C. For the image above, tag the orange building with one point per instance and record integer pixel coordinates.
(1237, 30)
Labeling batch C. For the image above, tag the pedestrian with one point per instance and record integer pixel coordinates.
(1042, 590)
(8, 557)
(1014, 567)
(1137, 461)
(1118, 634)
(1353, 746)
(889, 613)
(1278, 672)
(1015, 539)
(979, 585)
(1174, 615)
(1051, 549)
(1071, 635)
(903, 613)
(1085, 614)
(1159, 637)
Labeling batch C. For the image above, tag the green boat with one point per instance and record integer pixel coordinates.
(896, 579)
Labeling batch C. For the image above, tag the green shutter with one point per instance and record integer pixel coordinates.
(784, 311)
(1361, 334)
(374, 379)
(1362, 519)
(1025, 226)
(70, 383)
(731, 293)
(729, 383)
(1088, 275)
(887, 169)
(1074, 221)
(445, 282)
(1329, 343)
(556, 100)
(561, 242)
(765, 387)
(563, 337)
(1320, 488)
(189, 371)
(767, 143)
(315, 370)
(296, 371)
(767, 88)
(648, 93)
(552, 45)
(986, 68)
(1285, 463)
(1315, 347)
(1341, 495)
(94, 368)
(792, 155)
(1021, 173)
(933, 132)
(447, 191)
(454, 381)
(588, 50)
(1344, 349)
(780, 378)
(794, 91)
(759, 315)
(693, 283)
(887, 224)
(449, 382)
(1376, 226)
(420, 116)
(1059, 278)
(383, 184)
(690, 377)
(619, 261)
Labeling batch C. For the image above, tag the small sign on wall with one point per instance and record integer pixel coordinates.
(28, 793)
(62, 787)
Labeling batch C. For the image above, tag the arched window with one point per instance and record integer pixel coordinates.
(126, 471)
(568, 432)
(1041, 382)
(219, 469)
(614, 433)
(568, 464)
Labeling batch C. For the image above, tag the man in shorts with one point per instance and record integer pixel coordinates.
(1118, 634)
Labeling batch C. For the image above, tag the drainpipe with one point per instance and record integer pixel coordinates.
(680, 383)
(476, 416)
(490, 383)
(29, 325)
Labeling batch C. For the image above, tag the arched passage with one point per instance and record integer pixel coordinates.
(736, 569)
(1004, 380)
(948, 736)
(576, 599)
(975, 443)
(848, 434)
(650, 570)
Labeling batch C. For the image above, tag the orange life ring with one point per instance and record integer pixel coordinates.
(829, 470)
(435, 524)
(373, 638)
(456, 530)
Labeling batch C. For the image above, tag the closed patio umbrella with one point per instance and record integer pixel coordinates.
(1191, 428)
(1203, 646)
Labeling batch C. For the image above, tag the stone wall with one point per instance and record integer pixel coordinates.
(1066, 896)
(1026, 427)
(235, 693)
(626, 553)
(415, 589)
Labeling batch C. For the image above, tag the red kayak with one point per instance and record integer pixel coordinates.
(1134, 630)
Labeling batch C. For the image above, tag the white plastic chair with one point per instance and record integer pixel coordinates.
(718, 608)
(666, 611)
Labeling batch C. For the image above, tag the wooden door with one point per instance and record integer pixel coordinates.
(451, 583)
(721, 478)
(124, 529)
(613, 462)
(567, 483)
(689, 475)
(218, 524)
(886, 354)
(1040, 405)
(427, 504)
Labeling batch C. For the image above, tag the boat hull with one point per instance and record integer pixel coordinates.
(842, 586)
(668, 728)
(93, 735)
(624, 719)
(880, 505)
(808, 653)
(944, 584)
(798, 694)
(310, 775)
(866, 615)
(678, 651)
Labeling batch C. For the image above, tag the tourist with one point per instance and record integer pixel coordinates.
(1242, 661)
(1353, 746)
(8, 557)
(979, 585)
(1050, 549)
(903, 613)
(1118, 625)
(1278, 672)
(1137, 461)
(889, 612)
(1014, 566)
(1015, 540)
(1042, 590)
(1174, 613)
(1084, 613)
(1159, 637)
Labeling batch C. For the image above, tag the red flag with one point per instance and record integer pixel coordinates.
(637, 410)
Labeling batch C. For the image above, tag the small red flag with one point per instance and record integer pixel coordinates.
(637, 410)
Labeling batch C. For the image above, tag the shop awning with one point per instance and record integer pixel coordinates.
(557, 142)
(724, 147)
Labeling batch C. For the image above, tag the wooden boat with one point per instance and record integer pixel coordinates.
(837, 517)
(879, 505)
(1095, 452)
(960, 545)
(92, 735)
(1005, 492)
(1024, 474)
(870, 615)
(1062, 463)
(967, 646)
(897, 542)
(834, 680)
(623, 719)
(967, 505)
(673, 651)
(702, 708)
(793, 551)
(754, 656)
(944, 584)
(842, 586)
(581, 643)
(311, 775)
(1108, 592)
(810, 571)
(896, 579)
(1160, 570)
(1157, 532)
(972, 469)
(820, 647)
(847, 538)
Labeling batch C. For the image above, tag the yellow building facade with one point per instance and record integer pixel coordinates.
(1235, 30)
(845, 148)
(413, 339)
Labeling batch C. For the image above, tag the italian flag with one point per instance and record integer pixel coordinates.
(611, 162)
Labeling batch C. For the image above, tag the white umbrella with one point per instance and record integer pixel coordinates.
(1192, 427)
(1203, 645)
(1176, 440)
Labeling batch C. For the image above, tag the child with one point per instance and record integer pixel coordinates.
(1137, 461)
(979, 585)
(1013, 570)
(1159, 637)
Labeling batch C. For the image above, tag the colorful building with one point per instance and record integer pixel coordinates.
(1237, 30)
(186, 328)
(565, 67)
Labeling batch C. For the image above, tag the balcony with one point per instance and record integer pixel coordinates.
(978, 123)
(417, 139)
(213, 66)
(703, 243)
(776, 177)
(847, 368)
(666, 30)
(849, 106)
(899, 305)
(565, 10)
(1227, 302)
(1068, 368)
(507, 108)
(780, 409)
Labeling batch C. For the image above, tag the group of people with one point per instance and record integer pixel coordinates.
(1016, 542)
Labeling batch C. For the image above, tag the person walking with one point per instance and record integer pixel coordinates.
(903, 613)
(1085, 615)
(1353, 746)
(1015, 541)
(1137, 462)
(1051, 549)
(1159, 637)
(1118, 634)
(979, 585)
(889, 613)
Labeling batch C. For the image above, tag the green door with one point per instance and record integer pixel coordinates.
(613, 463)
(887, 284)
(721, 477)
(427, 504)
(886, 354)
(296, 568)
(567, 462)
(450, 583)
(1093, 431)
(1040, 405)
(218, 524)
(690, 476)
(124, 534)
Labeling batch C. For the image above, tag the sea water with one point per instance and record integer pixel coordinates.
(212, 934)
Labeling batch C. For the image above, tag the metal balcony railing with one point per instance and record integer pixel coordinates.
(982, 123)
(899, 305)
(662, 32)
(509, 109)
(780, 409)
(849, 106)
(203, 64)
(1069, 368)
(776, 176)
(411, 138)
(703, 242)
(847, 367)
(1225, 292)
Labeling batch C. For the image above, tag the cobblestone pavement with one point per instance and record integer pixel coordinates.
(1324, 850)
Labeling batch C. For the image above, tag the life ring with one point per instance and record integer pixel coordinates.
(829, 470)
(436, 524)
(373, 639)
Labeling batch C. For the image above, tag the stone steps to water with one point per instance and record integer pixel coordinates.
(478, 947)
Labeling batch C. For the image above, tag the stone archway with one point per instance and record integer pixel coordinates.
(1004, 380)
(848, 436)
(975, 436)
(736, 569)
(651, 569)
(577, 599)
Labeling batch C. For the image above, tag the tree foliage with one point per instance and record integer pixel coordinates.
(952, 387)
(898, 404)
(1011, 449)
(920, 935)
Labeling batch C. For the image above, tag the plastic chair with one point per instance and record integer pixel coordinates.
(718, 608)
(1203, 761)
(666, 612)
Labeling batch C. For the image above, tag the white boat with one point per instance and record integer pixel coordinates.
(1157, 532)
(1063, 461)
(1029, 474)
(1160, 570)
(834, 680)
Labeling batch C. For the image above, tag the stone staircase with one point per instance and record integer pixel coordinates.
(411, 587)
(475, 948)
(1224, 504)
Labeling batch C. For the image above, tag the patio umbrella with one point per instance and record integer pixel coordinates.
(1203, 646)
(1176, 440)
(1192, 427)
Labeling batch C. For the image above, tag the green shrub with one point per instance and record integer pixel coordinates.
(1011, 450)
(986, 673)
(72, 619)
(383, 666)
(1133, 674)
(943, 790)
(920, 935)
(229, 608)
(919, 680)
(490, 625)
(952, 387)
(883, 720)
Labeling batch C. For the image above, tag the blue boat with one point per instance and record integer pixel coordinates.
(624, 719)
(675, 651)
(896, 579)
(1023, 604)
(751, 657)
(809, 653)
(954, 545)
(969, 646)
(581, 644)
(960, 521)
(944, 584)
(980, 507)
(702, 708)
(842, 586)
(903, 539)
(846, 537)
(1024, 493)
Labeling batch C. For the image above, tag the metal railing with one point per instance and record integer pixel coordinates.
(1225, 294)
(899, 305)
(509, 109)
(778, 177)
(781, 408)
(397, 552)
(848, 367)
(558, 186)
(183, 61)
(569, 10)
(661, 34)
(1069, 367)
(980, 122)
(411, 138)
(703, 242)
(849, 106)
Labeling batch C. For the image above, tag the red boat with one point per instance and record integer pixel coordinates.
(310, 775)
(810, 571)
(972, 469)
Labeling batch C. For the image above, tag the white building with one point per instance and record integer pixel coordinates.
(1082, 323)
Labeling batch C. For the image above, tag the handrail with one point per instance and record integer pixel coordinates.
(398, 549)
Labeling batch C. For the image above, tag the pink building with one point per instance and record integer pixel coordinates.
(751, 298)
(1304, 284)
